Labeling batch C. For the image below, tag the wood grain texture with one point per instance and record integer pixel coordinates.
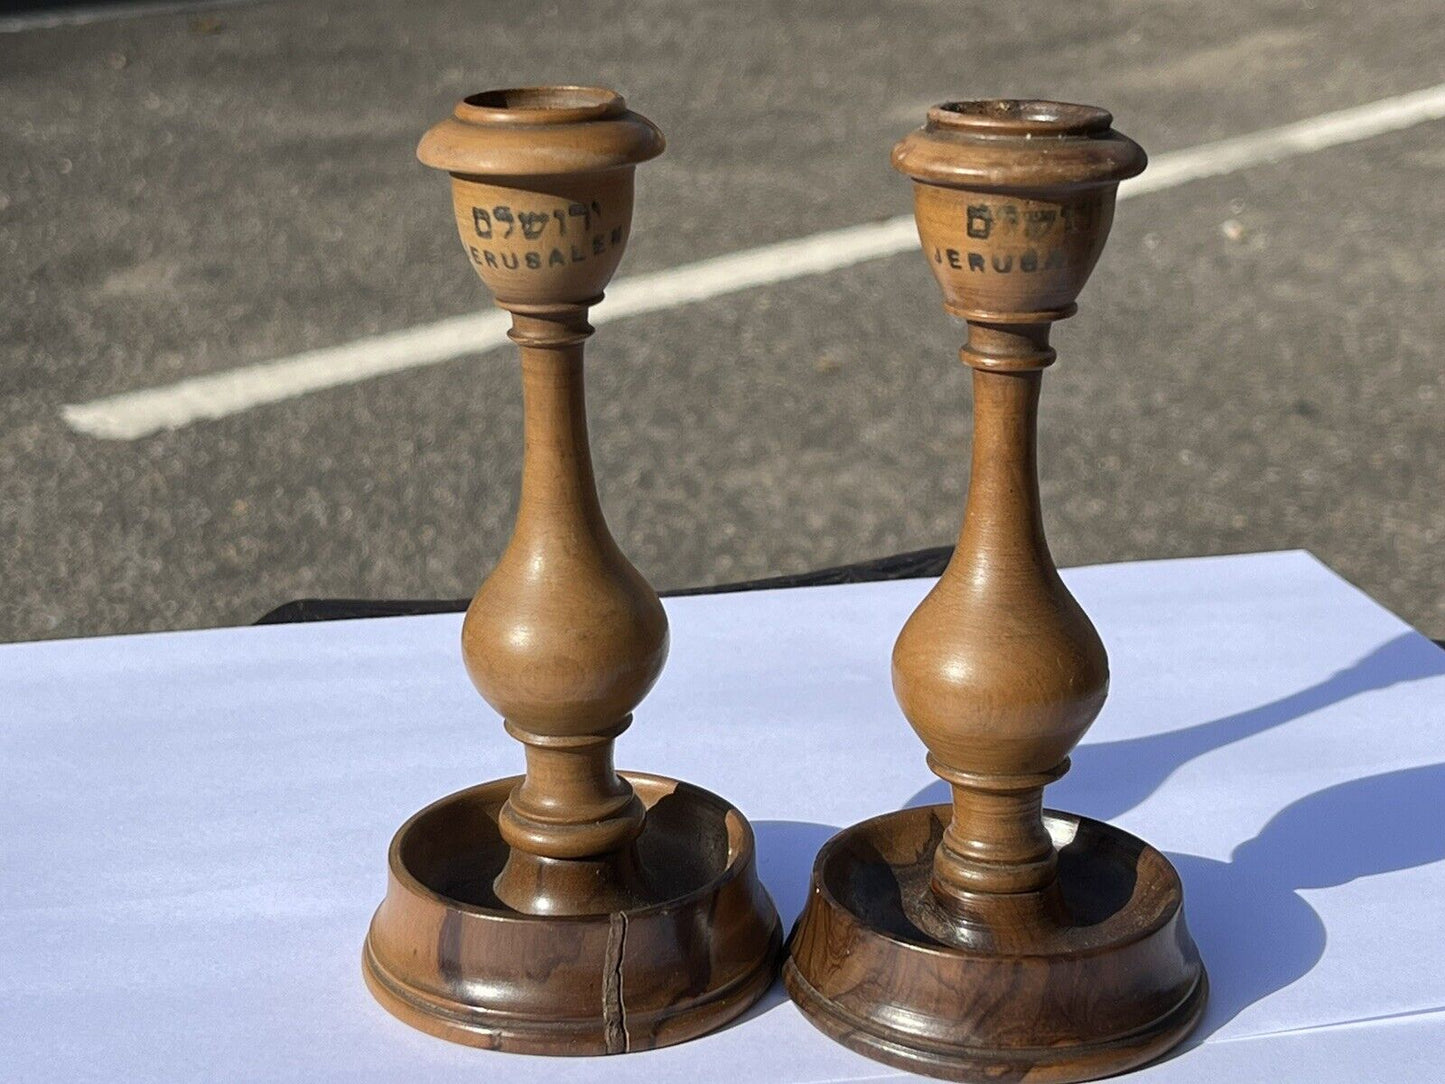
(998, 961)
(604, 920)
(877, 963)
(446, 955)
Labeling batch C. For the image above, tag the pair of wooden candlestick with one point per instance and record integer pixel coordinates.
(576, 910)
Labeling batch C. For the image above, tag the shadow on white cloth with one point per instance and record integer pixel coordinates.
(1257, 934)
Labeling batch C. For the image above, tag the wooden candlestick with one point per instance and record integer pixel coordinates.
(992, 938)
(575, 910)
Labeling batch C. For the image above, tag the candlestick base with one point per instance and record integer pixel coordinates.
(1114, 983)
(446, 956)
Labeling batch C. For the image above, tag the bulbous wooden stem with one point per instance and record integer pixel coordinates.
(999, 670)
(996, 845)
(564, 639)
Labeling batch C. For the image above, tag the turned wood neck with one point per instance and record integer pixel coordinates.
(559, 490)
(1003, 523)
(571, 823)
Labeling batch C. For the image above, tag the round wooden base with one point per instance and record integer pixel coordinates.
(446, 956)
(1111, 986)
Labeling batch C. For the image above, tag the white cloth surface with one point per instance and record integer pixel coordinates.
(195, 824)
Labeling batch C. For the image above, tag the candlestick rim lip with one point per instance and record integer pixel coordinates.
(1020, 116)
(1018, 145)
(540, 104)
(540, 131)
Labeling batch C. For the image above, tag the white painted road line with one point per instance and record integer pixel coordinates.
(1302, 137)
(104, 13)
(131, 415)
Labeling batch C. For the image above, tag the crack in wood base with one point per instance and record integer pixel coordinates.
(445, 956)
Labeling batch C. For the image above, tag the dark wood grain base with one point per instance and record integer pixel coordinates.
(1114, 984)
(446, 956)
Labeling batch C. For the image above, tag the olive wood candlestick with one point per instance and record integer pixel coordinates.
(993, 938)
(575, 910)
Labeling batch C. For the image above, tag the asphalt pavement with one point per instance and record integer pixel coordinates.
(1256, 363)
